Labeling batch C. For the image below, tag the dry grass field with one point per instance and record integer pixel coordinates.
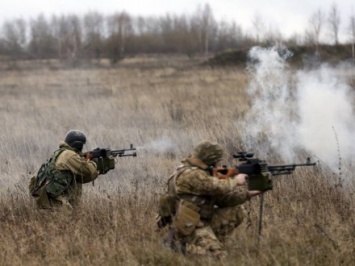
(164, 110)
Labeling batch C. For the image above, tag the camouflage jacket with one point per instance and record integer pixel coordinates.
(193, 180)
(76, 171)
(69, 159)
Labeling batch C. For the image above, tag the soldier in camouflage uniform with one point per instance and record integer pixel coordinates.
(202, 210)
(61, 185)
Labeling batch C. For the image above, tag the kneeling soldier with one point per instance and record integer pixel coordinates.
(59, 181)
(202, 210)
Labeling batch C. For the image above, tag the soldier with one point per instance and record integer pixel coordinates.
(202, 210)
(59, 182)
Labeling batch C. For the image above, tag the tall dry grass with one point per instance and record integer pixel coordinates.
(164, 111)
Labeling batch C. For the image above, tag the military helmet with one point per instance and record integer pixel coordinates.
(208, 152)
(75, 139)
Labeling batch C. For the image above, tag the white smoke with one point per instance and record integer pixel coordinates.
(309, 110)
(268, 121)
(326, 112)
(161, 145)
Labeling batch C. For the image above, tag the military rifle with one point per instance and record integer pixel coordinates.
(103, 152)
(258, 171)
(104, 157)
(259, 175)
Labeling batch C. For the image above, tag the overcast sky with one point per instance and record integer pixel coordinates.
(288, 16)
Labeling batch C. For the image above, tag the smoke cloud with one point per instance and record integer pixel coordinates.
(159, 146)
(308, 111)
(327, 117)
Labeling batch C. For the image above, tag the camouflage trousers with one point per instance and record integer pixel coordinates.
(212, 236)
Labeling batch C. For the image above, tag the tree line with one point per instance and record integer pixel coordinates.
(95, 36)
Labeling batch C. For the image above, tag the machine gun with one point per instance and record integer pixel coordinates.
(259, 172)
(104, 157)
(103, 152)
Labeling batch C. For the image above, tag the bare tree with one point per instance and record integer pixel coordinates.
(315, 27)
(204, 22)
(173, 29)
(186, 36)
(334, 22)
(272, 36)
(229, 35)
(195, 28)
(294, 40)
(42, 43)
(93, 30)
(139, 25)
(143, 35)
(207, 21)
(75, 36)
(178, 34)
(119, 27)
(169, 34)
(15, 37)
(124, 27)
(67, 31)
(69, 37)
(258, 26)
(2, 46)
(352, 34)
(59, 33)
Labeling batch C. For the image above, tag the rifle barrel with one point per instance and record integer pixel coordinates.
(286, 169)
(291, 165)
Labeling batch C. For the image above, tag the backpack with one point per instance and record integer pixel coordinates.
(57, 181)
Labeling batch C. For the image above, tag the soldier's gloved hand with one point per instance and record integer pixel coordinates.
(238, 180)
(241, 179)
(105, 164)
(101, 166)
